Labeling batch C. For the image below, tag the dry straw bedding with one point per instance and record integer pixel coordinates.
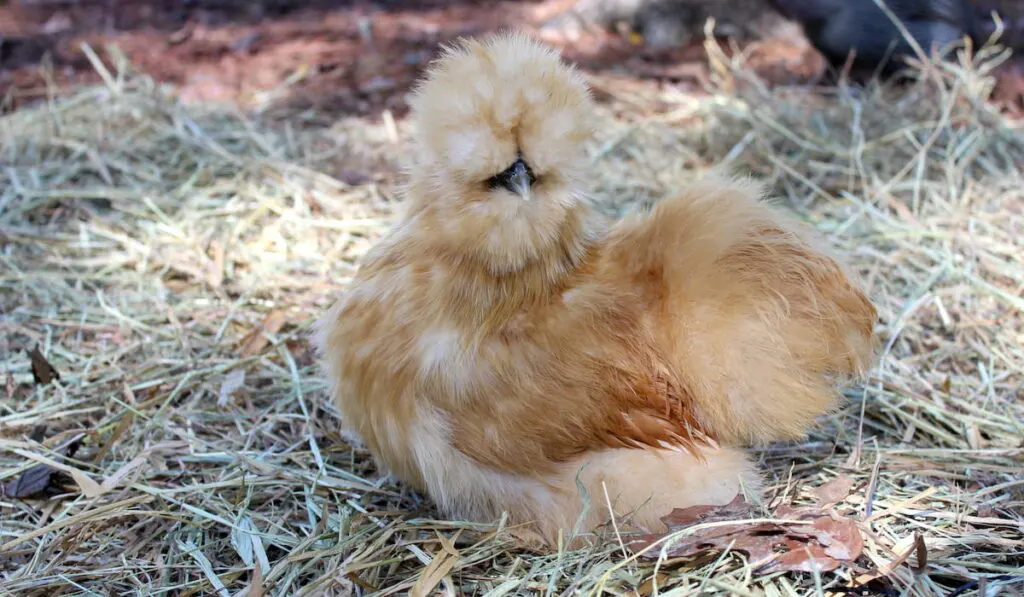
(167, 261)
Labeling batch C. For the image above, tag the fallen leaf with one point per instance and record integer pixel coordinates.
(90, 488)
(683, 517)
(256, 340)
(801, 557)
(834, 491)
(921, 549)
(42, 371)
(255, 588)
(801, 540)
(35, 479)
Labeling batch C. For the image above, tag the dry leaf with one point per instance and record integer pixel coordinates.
(36, 479)
(832, 538)
(33, 481)
(257, 340)
(737, 509)
(921, 549)
(255, 588)
(89, 488)
(834, 491)
(804, 538)
(42, 371)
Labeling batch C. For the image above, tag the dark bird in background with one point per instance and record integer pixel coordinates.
(861, 34)
(857, 36)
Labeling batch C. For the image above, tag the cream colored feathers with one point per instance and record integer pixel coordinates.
(503, 340)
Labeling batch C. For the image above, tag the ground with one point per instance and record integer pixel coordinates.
(360, 58)
(163, 428)
(356, 58)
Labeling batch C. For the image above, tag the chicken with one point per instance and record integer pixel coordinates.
(504, 346)
(837, 28)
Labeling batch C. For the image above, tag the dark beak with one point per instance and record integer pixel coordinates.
(518, 179)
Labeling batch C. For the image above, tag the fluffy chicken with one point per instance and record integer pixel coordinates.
(504, 346)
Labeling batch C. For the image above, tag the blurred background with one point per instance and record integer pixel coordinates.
(359, 58)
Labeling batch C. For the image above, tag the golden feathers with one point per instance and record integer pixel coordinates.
(504, 341)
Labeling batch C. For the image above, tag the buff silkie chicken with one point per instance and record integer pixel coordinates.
(503, 346)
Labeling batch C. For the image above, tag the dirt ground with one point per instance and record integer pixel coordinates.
(339, 58)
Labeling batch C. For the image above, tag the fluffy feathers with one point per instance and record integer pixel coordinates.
(500, 343)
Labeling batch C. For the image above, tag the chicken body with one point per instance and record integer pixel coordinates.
(504, 345)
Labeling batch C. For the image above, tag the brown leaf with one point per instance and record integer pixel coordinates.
(802, 539)
(42, 371)
(257, 340)
(35, 479)
(89, 488)
(834, 491)
(921, 550)
(830, 541)
(803, 557)
(255, 588)
(684, 517)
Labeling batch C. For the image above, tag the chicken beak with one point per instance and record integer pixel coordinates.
(519, 180)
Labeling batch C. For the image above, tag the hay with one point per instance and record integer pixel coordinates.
(168, 260)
